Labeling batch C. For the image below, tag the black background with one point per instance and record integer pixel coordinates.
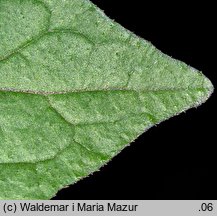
(176, 159)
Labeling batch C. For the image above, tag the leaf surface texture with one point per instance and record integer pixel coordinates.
(75, 89)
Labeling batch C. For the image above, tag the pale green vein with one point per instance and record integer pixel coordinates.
(36, 39)
(46, 93)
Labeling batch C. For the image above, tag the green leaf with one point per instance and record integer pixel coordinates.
(75, 89)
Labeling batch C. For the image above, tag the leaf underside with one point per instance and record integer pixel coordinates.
(75, 89)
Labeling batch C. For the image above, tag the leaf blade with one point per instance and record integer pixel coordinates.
(103, 84)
